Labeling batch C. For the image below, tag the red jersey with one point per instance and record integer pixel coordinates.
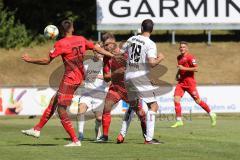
(72, 50)
(189, 61)
(111, 65)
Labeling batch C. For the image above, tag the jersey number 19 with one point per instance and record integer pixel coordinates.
(135, 54)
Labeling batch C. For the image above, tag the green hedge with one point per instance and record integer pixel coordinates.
(12, 33)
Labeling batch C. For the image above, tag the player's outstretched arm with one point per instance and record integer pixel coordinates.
(190, 69)
(155, 61)
(102, 51)
(39, 61)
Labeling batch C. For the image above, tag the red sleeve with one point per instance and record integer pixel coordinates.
(192, 61)
(56, 51)
(106, 65)
(89, 45)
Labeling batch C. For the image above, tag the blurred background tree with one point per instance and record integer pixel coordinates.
(36, 14)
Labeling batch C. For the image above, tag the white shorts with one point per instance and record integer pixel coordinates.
(141, 88)
(94, 100)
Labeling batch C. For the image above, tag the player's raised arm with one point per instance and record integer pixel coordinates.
(102, 51)
(39, 61)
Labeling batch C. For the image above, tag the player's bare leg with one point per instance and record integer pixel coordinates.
(178, 111)
(49, 111)
(82, 108)
(212, 115)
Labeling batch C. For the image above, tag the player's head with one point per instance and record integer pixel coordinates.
(147, 26)
(183, 47)
(66, 27)
(107, 36)
(109, 41)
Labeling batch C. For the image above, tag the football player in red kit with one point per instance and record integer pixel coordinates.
(187, 66)
(72, 49)
(113, 70)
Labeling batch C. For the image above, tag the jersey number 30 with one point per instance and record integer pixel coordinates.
(77, 54)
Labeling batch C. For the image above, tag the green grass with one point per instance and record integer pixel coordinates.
(196, 140)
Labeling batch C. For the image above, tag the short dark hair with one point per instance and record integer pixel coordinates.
(147, 25)
(183, 42)
(65, 26)
(106, 36)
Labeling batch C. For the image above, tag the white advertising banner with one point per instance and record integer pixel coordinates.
(221, 99)
(168, 11)
(32, 101)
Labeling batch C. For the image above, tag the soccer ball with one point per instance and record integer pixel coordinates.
(51, 31)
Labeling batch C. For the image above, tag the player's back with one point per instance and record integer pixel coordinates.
(139, 49)
(73, 47)
(72, 50)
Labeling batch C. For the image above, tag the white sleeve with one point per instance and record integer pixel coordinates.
(126, 46)
(152, 51)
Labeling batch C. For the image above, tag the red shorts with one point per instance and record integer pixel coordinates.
(117, 93)
(190, 88)
(65, 93)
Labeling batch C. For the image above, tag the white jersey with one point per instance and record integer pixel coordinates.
(92, 71)
(139, 49)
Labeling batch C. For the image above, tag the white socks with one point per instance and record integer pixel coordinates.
(98, 125)
(126, 122)
(150, 120)
(179, 118)
(81, 122)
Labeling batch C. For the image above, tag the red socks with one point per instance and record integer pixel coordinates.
(205, 106)
(106, 121)
(67, 124)
(49, 111)
(178, 109)
(142, 117)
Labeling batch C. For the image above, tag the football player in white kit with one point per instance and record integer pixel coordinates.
(142, 55)
(92, 94)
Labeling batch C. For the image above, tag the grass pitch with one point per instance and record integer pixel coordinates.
(196, 140)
